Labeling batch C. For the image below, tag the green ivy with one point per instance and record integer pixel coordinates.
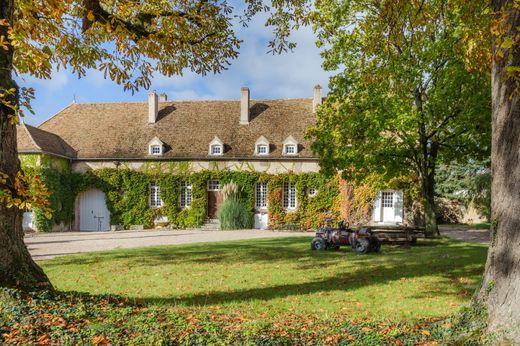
(61, 185)
(127, 194)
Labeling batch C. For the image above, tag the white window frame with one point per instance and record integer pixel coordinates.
(312, 191)
(387, 199)
(155, 143)
(154, 195)
(261, 195)
(155, 146)
(216, 147)
(264, 146)
(289, 196)
(213, 185)
(290, 142)
(294, 148)
(263, 143)
(185, 194)
(216, 150)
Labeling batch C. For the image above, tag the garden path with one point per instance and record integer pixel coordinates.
(465, 233)
(49, 245)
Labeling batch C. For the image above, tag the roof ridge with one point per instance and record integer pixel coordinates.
(172, 101)
(55, 114)
(30, 135)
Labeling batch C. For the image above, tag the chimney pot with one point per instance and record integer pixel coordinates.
(163, 97)
(153, 107)
(317, 99)
(244, 106)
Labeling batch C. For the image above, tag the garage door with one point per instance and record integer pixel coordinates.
(94, 214)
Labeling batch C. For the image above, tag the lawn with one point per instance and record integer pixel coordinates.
(270, 279)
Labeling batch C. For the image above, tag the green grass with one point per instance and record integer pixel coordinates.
(485, 225)
(267, 279)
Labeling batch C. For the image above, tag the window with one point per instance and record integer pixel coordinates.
(213, 185)
(312, 191)
(262, 149)
(262, 146)
(289, 196)
(155, 150)
(290, 149)
(261, 196)
(185, 194)
(216, 149)
(155, 196)
(387, 199)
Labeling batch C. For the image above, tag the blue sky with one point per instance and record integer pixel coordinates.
(290, 75)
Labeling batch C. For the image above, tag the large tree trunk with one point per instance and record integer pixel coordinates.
(430, 217)
(16, 265)
(428, 189)
(501, 286)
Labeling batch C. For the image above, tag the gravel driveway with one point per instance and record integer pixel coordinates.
(465, 233)
(49, 245)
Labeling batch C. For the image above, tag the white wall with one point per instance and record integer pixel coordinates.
(271, 167)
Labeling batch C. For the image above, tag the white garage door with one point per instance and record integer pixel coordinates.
(94, 214)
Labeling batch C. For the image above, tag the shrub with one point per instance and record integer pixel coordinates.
(234, 213)
(448, 211)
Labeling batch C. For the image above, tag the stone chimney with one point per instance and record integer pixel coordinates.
(244, 106)
(153, 107)
(163, 97)
(317, 99)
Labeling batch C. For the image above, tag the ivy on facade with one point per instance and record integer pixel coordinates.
(127, 194)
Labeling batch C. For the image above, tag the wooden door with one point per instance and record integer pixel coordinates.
(214, 201)
(94, 214)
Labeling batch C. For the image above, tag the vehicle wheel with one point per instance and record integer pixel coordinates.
(376, 244)
(318, 244)
(362, 246)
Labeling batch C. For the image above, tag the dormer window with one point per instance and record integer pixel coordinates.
(262, 146)
(290, 146)
(155, 150)
(290, 149)
(216, 147)
(155, 147)
(262, 149)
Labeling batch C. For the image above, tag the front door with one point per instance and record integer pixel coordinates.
(214, 198)
(94, 214)
(387, 206)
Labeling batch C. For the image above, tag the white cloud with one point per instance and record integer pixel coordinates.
(289, 75)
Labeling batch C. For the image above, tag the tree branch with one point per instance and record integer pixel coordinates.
(93, 12)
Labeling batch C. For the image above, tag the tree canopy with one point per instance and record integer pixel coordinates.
(128, 41)
(404, 97)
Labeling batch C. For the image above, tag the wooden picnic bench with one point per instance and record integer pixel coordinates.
(397, 234)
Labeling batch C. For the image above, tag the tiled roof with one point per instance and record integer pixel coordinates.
(34, 140)
(121, 130)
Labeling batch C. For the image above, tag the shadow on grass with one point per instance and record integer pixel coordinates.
(439, 257)
(365, 275)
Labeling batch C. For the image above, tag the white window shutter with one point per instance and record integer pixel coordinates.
(376, 210)
(398, 206)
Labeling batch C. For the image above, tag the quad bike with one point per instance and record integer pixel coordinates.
(329, 238)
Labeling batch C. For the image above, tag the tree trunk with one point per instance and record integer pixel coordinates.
(428, 194)
(16, 265)
(501, 285)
